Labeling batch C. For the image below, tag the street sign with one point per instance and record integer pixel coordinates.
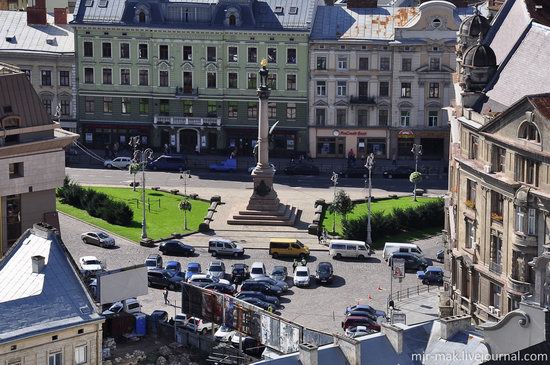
(398, 317)
(398, 268)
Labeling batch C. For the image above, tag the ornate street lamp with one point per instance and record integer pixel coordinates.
(143, 156)
(369, 165)
(417, 151)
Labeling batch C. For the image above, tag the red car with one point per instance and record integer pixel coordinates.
(354, 321)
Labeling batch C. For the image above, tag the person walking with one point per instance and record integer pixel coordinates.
(319, 234)
(294, 265)
(165, 294)
(304, 261)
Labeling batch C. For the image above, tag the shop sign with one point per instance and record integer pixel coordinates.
(89, 138)
(172, 139)
(337, 132)
(406, 133)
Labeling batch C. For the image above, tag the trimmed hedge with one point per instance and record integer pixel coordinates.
(400, 220)
(98, 205)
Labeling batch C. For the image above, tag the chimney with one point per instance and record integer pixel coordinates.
(37, 14)
(394, 334)
(37, 264)
(309, 354)
(351, 348)
(361, 4)
(60, 16)
(450, 326)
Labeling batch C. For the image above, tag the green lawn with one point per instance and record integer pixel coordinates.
(386, 206)
(161, 221)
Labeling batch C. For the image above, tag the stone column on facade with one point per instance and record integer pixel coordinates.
(178, 140)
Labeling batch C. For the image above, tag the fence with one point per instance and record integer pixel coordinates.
(407, 293)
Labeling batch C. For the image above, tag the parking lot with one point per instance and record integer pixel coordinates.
(317, 307)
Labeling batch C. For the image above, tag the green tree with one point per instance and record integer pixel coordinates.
(415, 178)
(185, 206)
(342, 205)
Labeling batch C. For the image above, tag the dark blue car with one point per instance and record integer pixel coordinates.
(432, 275)
(192, 269)
(170, 163)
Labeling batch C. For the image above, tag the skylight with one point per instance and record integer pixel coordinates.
(279, 10)
(293, 10)
(89, 3)
(103, 3)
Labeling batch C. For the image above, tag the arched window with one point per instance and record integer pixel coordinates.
(141, 17)
(530, 132)
(232, 20)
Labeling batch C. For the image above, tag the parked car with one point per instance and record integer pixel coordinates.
(412, 261)
(222, 246)
(159, 316)
(130, 305)
(202, 280)
(166, 162)
(221, 288)
(229, 165)
(181, 319)
(164, 279)
(216, 269)
(358, 331)
(355, 171)
(257, 270)
(198, 325)
(440, 255)
(279, 273)
(174, 268)
(239, 273)
(432, 275)
(402, 172)
(251, 285)
(153, 261)
(256, 294)
(348, 248)
(259, 303)
(359, 313)
(119, 163)
(301, 168)
(288, 247)
(324, 272)
(301, 276)
(176, 248)
(193, 268)
(266, 279)
(100, 239)
(391, 247)
(365, 308)
(354, 321)
(224, 334)
(91, 265)
(250, 345)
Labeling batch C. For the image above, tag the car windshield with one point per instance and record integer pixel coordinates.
(202, 280)
(92, 262)
(171, 267)
(225, 329)
(257, 270)
(193, 269)
(324, 269)
(238, 270)
(216, 268)
(102, 235)
(278, 272)
(301, 273)
(151, 263)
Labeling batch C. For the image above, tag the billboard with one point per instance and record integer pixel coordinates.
(398, 268)
(120, 284)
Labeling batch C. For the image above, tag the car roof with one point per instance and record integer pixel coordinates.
(172, 263)
(200, 276)
(153, 256)
(434, 268)
(86, 258)
(302, 268)
(219, 239)
(193, 264)
(239, 265)
(358, 318)
(325, 263)
(366, 306)
(258, 264)
(216, 263)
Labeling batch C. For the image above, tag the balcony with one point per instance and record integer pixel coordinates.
(518, 285)
(187, 92)
(161, 120)
(365, 100)
(495, 267)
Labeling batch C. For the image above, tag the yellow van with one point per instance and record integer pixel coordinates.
(287, 247)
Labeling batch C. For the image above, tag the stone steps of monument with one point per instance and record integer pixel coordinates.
(287, 220)
(281, 211)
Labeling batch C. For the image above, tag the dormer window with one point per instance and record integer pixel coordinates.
(232, 20)
(530, 132)
(232, 17)
(141, 17)
(142, 14)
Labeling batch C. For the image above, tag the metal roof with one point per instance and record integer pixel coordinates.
(50, 300)
(50, 38)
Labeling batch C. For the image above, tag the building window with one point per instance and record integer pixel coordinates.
(384, 63)
(320, 117)
(126, 105)
(88, 75)
(321, 88)
(64, 78)
(272, 110)
(252, 110)
(272, 81)
(520, 220)
(143, 106)
(362, 117)
(496, 292)
(143, 77)
(435, 64)
(125, 76)
(81, 354)
(291, 56)
(383, 117)
(16, 170)
(252, 81)
(496, 252)
(233, 110)
(163, 52)
(89, 104)
(164, 107)
(211, 54)
(384, 88)
(474, 147)
(106, 50)
(232, 80)
(497, 206)
(143, 52)
(471, 188)
(187, 53)
(406, 64)
(470, 233)
(291, 111)
(47, 105)
(252, 55)
(321, 63)
(163, 78)
(272, 55)
(363, 63)
(405, 118)
(527, 170)
(342, 62)
(232, 54)
(341, 88)
(532, 222)
(211, 80)
(212, 109)
(187, 108)
(46, 77)
(405, 89)
(529, 132)
(88, 49)
(125, 50)
(291, 82)
(498, 158)
(433, 118)
(107, 76)
(28, 73)
(65, 106)
(142, 18)
(341, 117)
(55, 359)
(363, 88)
(434, 90)
(107, 105)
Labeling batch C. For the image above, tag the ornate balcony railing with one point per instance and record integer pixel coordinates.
(181, 121)
(183, 92)
(362, 100)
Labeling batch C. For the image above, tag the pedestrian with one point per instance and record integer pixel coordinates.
(304, 261)
(294, 264)
(166, 148)
(319, 234)
(107, 151)
(197, 150)
(393, 160)
(166, 301)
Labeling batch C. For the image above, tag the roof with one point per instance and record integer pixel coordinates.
(19, 94)
(539, 10)
(541, 103)
(48, 301)
(43, 39)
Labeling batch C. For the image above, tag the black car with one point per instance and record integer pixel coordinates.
(324, 272)
(402, 172)
(255, 294)
(239, 273)
(355, 171)
(261, 287)
(221, 288)
(175, 247)
(162, 278)
(440, 255)
(360, 313)
(259, 303)
(159, 316)
(412, 261)
(301, 168)
(167, 162)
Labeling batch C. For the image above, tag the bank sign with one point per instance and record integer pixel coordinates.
(337, 132)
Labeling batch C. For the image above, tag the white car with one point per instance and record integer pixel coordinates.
(119, 163)
(129, 306)
(203, 280)
(224, 334)
(90, 264)
(257, 270)
(216, 269)
(181, 320)
(301, 276)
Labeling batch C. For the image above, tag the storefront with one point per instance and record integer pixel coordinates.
(331, 142)
(282, 143)
(100, 136)
(435, 144)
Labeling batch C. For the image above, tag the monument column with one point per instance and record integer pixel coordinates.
(263, 128)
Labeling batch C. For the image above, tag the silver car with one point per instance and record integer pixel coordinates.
(100, 239)
(216, 269)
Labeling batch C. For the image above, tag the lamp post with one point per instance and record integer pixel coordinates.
(417, 151)
(334, 180)
(142, 156)
(369, 165)
(184, 175)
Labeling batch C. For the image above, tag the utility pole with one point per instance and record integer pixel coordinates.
(143, 156)
(369, 165)
(184, 175)
(417, 151)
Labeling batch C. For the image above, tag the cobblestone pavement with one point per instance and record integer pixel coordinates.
(317, 307)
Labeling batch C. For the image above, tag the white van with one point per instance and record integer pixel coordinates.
(391, 247)
(347, 248)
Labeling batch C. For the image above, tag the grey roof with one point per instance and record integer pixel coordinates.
(48, 301)
(34, 38)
